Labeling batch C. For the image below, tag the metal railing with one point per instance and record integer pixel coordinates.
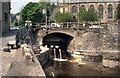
(70, 24)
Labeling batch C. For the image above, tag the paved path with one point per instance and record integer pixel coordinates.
(13, 63)
(6, 57)
(22, 67)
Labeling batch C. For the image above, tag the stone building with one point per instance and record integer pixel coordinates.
(4, 16)
(106, 9)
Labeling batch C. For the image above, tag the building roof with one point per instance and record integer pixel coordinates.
(74, 1)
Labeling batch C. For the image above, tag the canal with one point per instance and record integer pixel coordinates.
(72, 69)
(57, 43)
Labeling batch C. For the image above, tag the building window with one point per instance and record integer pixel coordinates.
(110, 11)
(101, 11)
(92, 8)
(63, 10)
(74, 9)
(83, 8)
(5, 17)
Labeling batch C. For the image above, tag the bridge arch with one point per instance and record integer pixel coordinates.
(62, 32)
(57, 38)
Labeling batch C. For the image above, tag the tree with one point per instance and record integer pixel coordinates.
(118, 12)
(21, 22)
(13, 16)
(16, 22)
(33, 11)
(64, 17)
(87, 16)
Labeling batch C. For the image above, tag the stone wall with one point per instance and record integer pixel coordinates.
(21, 32)
(94, 42)
(111, 37)
(85, 39)
(111, 42)
(102, 41)
(89, 40)
(5, 21)
(119, 35)
(111, 51)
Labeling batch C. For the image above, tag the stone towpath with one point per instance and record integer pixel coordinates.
(13, 63)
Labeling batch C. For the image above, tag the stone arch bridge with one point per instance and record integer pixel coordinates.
(87, 40)
(61, 37)
(75, 39)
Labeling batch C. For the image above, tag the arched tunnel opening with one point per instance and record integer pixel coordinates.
(57, 39)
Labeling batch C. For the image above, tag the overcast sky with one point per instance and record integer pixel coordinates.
(17, 5)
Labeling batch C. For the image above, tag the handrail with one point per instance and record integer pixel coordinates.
(71, 22)
(70, 25)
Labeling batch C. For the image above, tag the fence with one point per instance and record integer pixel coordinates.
(70, 24)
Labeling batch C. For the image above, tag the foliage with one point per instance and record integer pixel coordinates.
(51, 21)
(118, 12)
(29, 12)
(64, 17)
(13, 16)
(17, 14)
(87, 16)
(15, 22)
(21, 22)
(33, 11)
(47, 5)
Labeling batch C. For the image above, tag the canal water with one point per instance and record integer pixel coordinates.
(72, 69)
(55, 69)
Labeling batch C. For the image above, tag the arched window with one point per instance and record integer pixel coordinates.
(83, 8)
(74, 9)
(101, 11)
(92, 7)
(110, 11)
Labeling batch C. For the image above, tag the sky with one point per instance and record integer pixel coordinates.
(17, 5)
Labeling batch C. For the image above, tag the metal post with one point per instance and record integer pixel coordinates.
(67, 24)
(69, 6)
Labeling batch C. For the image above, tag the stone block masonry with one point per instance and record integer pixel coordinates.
(111, 46)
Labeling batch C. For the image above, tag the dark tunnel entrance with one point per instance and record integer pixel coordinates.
(57, 39)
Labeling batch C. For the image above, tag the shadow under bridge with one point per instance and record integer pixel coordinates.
(57, 39)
